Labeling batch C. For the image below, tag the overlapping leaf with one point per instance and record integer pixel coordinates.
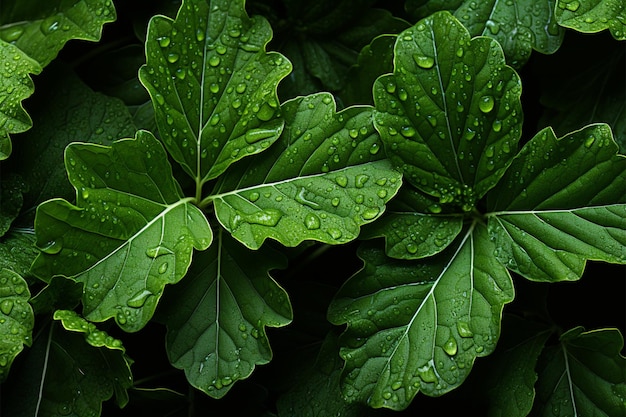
(583, 375)
(212, 84)
(418, 326)
(590, 16)
(449, 115)
(11, 199)
(129, 234)
(218, 335)
(321, 181)
(561, 202)
(520, 26)
(16, 319)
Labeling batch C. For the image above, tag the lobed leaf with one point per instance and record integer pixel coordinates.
(321, 181)
(418, 326)
(213, 85)
(16, 319)
(583, 375)
(450, 114)
(129, 234)
(218, 334)
(561, 202)
(590, 16)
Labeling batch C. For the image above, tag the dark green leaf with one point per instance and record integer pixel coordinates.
(590, 16)
(218, 334)
(11, 200)
(583, 375)
(450, 114)
(129, 235)
(418, 326)
(321, 181)
(17, 251)
(60, 294)
(561, 202)
(16, 319)
(213, 85)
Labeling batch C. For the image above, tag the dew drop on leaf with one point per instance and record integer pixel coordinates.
(6, 306)
(311, 221)
(370, 213)
(139, 299)
(486, 104)
(52, 247)
(450, 347)
(425, 62)
(255, 135)
(463, 328)
(157, 251)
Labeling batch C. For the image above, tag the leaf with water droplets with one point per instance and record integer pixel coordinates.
(322, 180)
(591, 16)
(11, 199)
(560, 203)
(520, 26)
(450, 114)
(129, 234)
(16, 319)
(70, 320)
(213, 85)
(218, 335)
(582, 375)
(418, 326)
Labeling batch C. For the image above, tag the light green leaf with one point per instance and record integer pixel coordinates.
(63, 375)
(561, 202)
(520, 26)
(129, 234)
(590, 16)
(15, 86)
(218, 335)
(450, 114)
(71, 321)
(11, 199)
(583, 375)
(41, 29)
(16, 319)
(212, 84)
(323, 180)
(418, 326)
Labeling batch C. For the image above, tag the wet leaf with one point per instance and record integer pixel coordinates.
(71, 321)
(17, 250)
(129, 234)
(11, 199)
(590, 16)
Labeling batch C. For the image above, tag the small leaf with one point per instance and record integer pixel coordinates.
(218, 334)
(16, 319)
(450, 114)
(590, 16)
(129, 235)
(71, 321)
(321, 181)
(583, 375)
(561, 202)
(212, 84)
(418, 326)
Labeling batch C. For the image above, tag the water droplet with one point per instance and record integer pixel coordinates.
(494, 27)
(427, 374)
(408, 131)
(266, 112)
(268, 217)
(6, 306)
(172, 58)
(425, 62)
(497, 125)
(450, 347)
(360, 180)
(214, 61)
(335, 233)
(432, 120)
(163, 268)
(589, 141)
(463, 328)
(52, 247)
(255, 135)
(486, 104)
(158, 251)
(139, 299)
(50, 24)
(342, 181)
(370, 213)
(200, 35)
(311, 221)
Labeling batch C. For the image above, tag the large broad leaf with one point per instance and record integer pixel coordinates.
(16, 319)
(450, 114)
(217, 335)
(321, 181)
(418, 326)
(212, 84)
(41, 28)
(520, 26)
(11, 199)
(63, 374)
(590, 16)
(17, 250)
(15, 86)
(129, 234)
(561, 202)
(583, 375)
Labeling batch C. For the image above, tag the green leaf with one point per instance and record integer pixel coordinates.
(520, 26)
(16, 319)
(561, 202)
(11, 200)
(321, 181)
(17, 251)
(60, 294)
(129, 234)
(590, 16)
(71, 321)
(583, 375)
(218, 334)
(42, 29)
(450, 114)
(213, 85)
(15, 86)
(418, 326)
(63, 375)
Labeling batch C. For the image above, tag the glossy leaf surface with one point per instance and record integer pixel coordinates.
(218, 335)
(213, 85)
(561, 202)
(416, 326)
(321, 181)
(589, 16)
(129, 234)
